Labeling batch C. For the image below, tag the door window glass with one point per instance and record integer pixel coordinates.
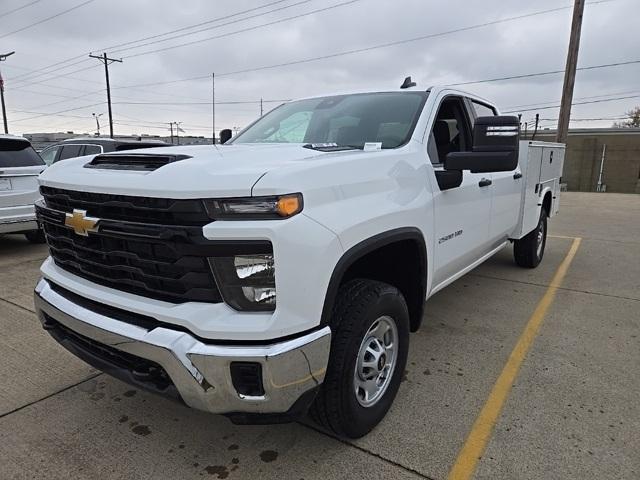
(70, 151)
(451, 131)
(92, 149)
(49, 154)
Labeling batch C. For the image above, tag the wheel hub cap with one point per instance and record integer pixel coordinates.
(376, 361)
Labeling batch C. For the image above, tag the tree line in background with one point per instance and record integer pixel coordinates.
(633, 120)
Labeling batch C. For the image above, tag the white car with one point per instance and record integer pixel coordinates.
(20, 166)
(285, 269)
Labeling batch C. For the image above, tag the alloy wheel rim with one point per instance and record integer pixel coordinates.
(540, 238)
(376, 361)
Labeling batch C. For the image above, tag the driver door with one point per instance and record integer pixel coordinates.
(462, 214)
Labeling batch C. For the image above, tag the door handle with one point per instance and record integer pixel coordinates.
(485, 182)
(517, 175)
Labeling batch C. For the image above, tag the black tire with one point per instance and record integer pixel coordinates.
(35, 236)
(359, 306)
(527, 251)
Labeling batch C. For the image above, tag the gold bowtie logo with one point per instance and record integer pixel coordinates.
(80, 223)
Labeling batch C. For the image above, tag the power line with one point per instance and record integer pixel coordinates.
(542, 104)
(574, 103)
(5, 14)
(48, 18)
(285, 7)
(366, 49)
(539, 74)
(39, 115)
(256, 27)
(163, 34)
(238, 102)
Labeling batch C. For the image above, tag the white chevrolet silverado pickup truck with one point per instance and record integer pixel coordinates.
(283, 271)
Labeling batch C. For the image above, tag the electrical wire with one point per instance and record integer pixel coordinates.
(131, 42)
(47, 19)
(6, 14)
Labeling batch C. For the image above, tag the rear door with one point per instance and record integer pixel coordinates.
(20, 166)
(461, 214)
(506, 189)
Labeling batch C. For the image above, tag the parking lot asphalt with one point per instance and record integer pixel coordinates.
(570, 411)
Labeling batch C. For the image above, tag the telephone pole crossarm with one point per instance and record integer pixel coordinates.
(107, 61)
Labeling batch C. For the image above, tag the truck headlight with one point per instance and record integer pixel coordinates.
(246, 282)
(255, 208)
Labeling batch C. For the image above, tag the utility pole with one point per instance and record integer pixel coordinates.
(97, 116)
(177, 124)
(106, 61)
(213, 107)
(570, 72)
(261, 106)
(3, 57)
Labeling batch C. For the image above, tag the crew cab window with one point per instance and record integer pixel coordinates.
(451, 130)
(346, 120)
(92, 150)
(17, 153)
(70, 151)
(483, 110)
(49, 154)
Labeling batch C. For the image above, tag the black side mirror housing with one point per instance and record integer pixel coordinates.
(225, 135)
(496, 143)
(448, 179)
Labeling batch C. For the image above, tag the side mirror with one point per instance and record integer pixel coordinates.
(225, 135)
(496, 143)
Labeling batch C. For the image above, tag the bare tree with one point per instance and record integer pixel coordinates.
(632, 122)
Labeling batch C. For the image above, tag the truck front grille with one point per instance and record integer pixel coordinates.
(162, 261)
(162, 211)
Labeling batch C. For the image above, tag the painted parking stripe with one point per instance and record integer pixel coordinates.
(480, 434)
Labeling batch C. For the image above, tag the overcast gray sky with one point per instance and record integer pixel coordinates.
(73, 89)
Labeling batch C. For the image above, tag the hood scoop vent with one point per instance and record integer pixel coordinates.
(133, 161)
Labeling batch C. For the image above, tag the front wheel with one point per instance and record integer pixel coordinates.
(529, 250)
(369, 347)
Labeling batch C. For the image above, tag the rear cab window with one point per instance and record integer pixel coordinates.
(18, 153)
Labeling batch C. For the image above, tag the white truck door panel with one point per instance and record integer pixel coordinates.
(462, 218)
(505, 207)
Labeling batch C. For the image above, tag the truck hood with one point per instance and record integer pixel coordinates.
(211, 171)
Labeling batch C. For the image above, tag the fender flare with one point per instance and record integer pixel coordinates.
(367, 246)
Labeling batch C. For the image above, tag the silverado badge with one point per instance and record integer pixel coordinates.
(80, 223)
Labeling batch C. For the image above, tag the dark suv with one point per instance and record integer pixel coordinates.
(77, 147)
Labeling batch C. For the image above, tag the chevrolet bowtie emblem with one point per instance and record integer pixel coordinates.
(80, 223)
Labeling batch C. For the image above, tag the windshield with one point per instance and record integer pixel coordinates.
(344, 120)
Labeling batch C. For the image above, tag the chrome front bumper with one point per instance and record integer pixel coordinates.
(199, 371)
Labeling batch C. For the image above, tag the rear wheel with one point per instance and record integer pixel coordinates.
(529, 250)
(369, 346)
(35, 236)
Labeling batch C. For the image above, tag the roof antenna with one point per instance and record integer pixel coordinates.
(408, 83)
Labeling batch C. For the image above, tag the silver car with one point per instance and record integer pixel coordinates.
(20, 166)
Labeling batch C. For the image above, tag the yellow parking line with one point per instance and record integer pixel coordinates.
(561, 236)
(480, 434)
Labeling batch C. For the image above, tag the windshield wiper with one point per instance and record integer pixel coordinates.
(331, 147)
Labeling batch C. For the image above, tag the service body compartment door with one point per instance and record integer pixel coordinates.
(530, 164)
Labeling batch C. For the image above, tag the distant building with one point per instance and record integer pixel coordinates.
(621, 165)
(42, 140)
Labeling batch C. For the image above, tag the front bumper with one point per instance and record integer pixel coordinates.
(176, 363)
(18, 219)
